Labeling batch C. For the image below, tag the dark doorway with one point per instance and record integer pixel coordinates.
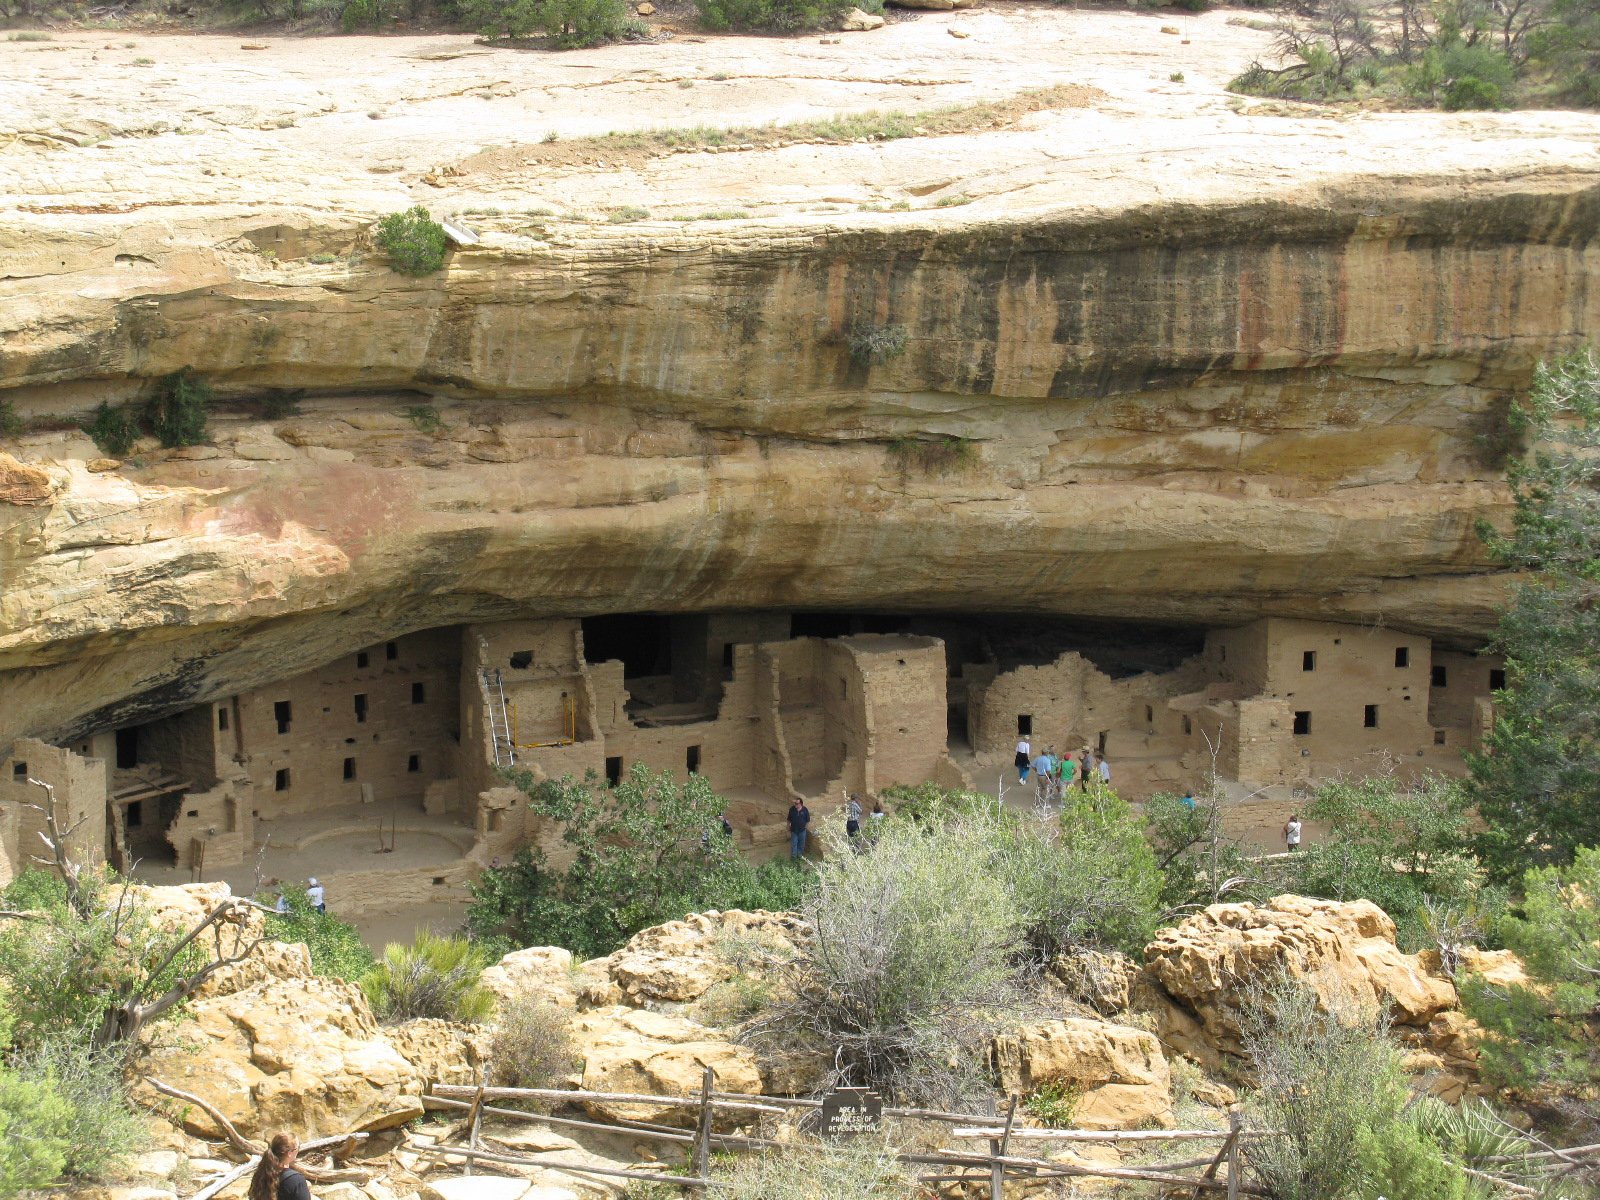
(614, 771)
(643, 641)
(692, 760)
(128, 748)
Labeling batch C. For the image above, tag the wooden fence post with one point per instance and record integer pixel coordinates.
(702, 1140)
(475, 1117)
(1235, 1124)
(997, 1169)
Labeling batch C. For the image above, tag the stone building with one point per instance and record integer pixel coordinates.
(422, 727)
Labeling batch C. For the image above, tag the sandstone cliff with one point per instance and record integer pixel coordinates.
(1204, 365)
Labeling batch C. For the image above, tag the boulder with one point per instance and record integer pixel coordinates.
(630, 1050)
(440, 1051)
(268, 961)
(180, 908)
(681, 960)
(856, 21)
(302, 1054)
(1119, 1071)
(1344, 951)
(542, 973)
(1101, 979)
(21, 483)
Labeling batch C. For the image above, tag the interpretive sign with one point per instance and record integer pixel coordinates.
(848, 1111)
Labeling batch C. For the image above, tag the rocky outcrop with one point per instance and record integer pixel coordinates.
(682, 960)
(541, 974)
(1118, 1073)
(632, 1050)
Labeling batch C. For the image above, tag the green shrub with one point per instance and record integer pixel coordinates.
(910, 967)
(877, 343)
(932, 455)
(433, 977)
(114, 428)
(531, 1046)
(568, 24)
(177, 411)
(929, 804)
(771, 16)
(829, 1172)
(336, 947)
(101, 1127)
(33, 1143)
(646, 851)
(1054, 1105)
(358, 13)
(413, 241)
(424, 418)
(10, 424)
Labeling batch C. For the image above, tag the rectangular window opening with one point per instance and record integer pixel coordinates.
(692, 760)
(1439, 677)
(283, 714)
(361, 706)
(349, 768)
(1188, 726)
(222, 718)
(391, 650)
(1402, 656)
(1308, 660)
(135, 817)
(522, 660)
(1302, 723)
(19, 770)
(1024, 725)
(727, 656)
(414, 763)
(361, 659)
(1438, 737)
(280, 780)
(419, 693)
(614, 771)
(1149, 715)
(1369, 717)
(1497, 680)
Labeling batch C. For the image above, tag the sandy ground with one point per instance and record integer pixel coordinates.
(100, 121)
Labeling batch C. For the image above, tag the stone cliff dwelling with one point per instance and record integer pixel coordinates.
(396, 748)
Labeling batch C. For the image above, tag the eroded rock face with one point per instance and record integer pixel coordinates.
(631, 1050)
(682, 960)
(1120, 1072)
(1344, 951)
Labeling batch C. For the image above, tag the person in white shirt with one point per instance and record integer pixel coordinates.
(1291, 833)
(1023, 760)
(1105, 772)
(315, 894)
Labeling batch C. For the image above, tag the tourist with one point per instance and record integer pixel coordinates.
(1068, 771)
(1041, 771)
(1023, 760)
(282, 906)
(315, 894)
(799, 821)
(1087, 771)
(852, 815)
(1291, 833)
(877, 814)
(1188, 799)
(275, 1177)
(1105, 772)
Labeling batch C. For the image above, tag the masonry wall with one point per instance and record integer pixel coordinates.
(903, 680)
(404, 738)
(1458, 683)
(80, 789)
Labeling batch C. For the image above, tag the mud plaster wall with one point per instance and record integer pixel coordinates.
(80, 788)
(405, 739)
(1468, 684)
(903, 680)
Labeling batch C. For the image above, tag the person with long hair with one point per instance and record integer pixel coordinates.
(275, 1177)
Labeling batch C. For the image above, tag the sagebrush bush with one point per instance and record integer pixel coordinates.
(844, 1172)
(178, 409)
(101, 1127)
(413, 241)
(33, 1146)
(114, 428)
(532, 1046)
(433, 977)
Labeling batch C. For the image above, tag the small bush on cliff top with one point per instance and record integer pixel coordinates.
(114, 428)
(773, 16)
(413, 241)
(532, 1046)
(177, 410)
(435, 977)
(568, 24)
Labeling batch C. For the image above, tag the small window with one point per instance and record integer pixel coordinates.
(349, 768)
(1224, 651)
(1497, 680)
(1302, 723)
(19, 770)
(135, 816)
(1308, 660)
(361, 706)
(1440, 678)
(361, 660)
(391, 650)
(1188, 725)
(1438, 737)
(1024, 725)
(727, 656)
(844, 689)
(283, 714)
(692, 760)
(1369, 717)
(222, 718)
(1402, 656)
(522, 660)
(414, 763)
(614, 771)
(419, 693)
(280, 781)
(1149, 714)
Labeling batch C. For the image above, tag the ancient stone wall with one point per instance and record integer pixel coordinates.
(80, 791)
